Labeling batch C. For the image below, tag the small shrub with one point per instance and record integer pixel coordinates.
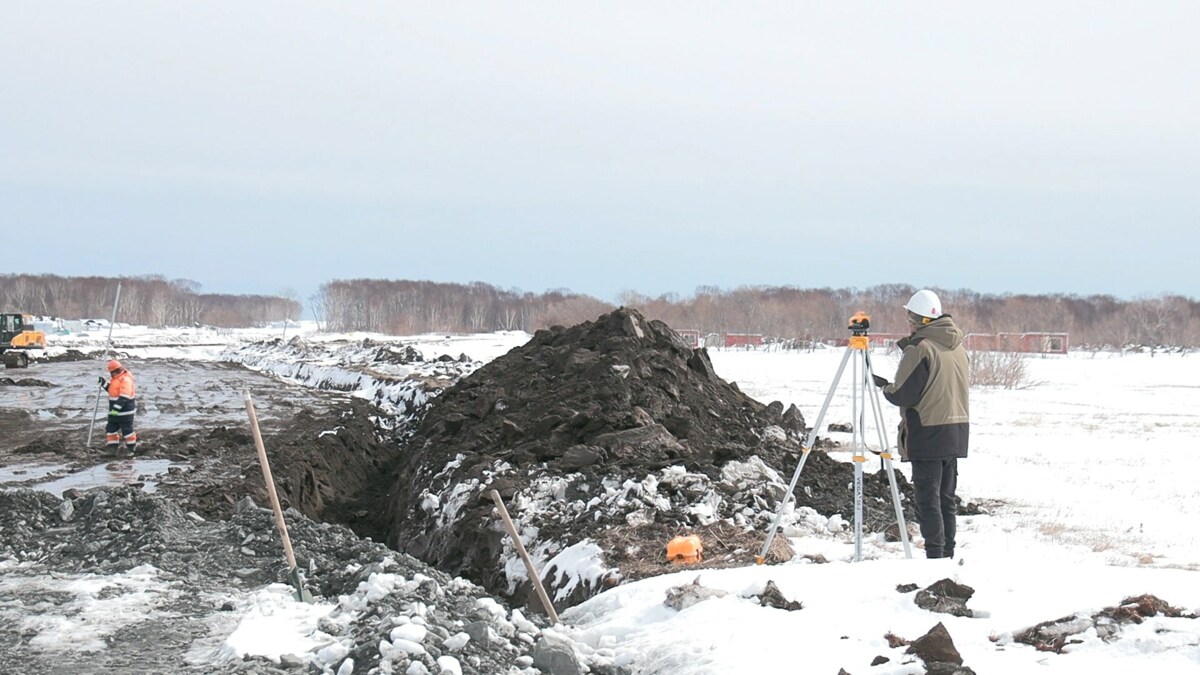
(1000, 369)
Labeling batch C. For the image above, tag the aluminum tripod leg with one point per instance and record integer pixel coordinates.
(805, 449)
(886, 455)
(858, 448)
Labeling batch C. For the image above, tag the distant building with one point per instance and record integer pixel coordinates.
(1027, 343)
(743, 339)
(690, 336)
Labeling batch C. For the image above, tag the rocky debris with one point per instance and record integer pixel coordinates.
(385, 607)
(555, 655)
(612, 430)
(1057, 635)
(936, 648)
(680, 598)
(394, 376)
(947, 597)
(773, 597)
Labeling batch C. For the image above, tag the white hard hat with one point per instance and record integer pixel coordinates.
(925, 303)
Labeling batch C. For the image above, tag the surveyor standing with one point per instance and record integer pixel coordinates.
(931, 391)
(122, 405)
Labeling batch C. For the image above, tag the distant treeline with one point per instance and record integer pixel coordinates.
(409, 307)
(145, 300)
(412, 307)
(822, 313)
(405, 307)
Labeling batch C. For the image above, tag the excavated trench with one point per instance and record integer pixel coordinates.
(613, 402)
(613, 432)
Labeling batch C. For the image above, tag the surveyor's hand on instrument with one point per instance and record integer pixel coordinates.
(879, 381)
(103, 384)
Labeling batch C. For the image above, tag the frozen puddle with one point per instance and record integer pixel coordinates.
(117, 472)
(24, 472)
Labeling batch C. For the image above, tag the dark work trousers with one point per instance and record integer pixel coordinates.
(120, 428)
(934, 483)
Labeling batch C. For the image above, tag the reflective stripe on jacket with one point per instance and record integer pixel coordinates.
(931, 389)
(122, 396)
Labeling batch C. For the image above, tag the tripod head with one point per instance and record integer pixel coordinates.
(859, 323)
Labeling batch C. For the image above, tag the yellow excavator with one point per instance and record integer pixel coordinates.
(17, 335)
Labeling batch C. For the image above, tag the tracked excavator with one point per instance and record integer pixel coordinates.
(17, 337)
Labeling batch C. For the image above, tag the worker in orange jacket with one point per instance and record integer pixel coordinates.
(122, 405)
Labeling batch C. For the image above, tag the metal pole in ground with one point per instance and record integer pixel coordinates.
(293, 571)
(859, 457)
(107, 351)
(533, 573)
(886, 456)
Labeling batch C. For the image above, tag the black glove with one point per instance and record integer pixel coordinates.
(879, 381)
(103, 384)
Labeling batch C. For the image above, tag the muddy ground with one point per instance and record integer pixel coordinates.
(194, 436)
(91, 518)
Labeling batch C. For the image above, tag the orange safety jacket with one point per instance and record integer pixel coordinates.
(121, 394)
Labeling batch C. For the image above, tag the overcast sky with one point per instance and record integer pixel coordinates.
(259, 146)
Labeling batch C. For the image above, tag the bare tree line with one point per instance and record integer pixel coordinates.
(409, 307)
(146, 300)
(406, 307)
(821, 314)
(402, 307)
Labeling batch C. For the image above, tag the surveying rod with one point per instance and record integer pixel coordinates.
(859, 342)
(107, 350)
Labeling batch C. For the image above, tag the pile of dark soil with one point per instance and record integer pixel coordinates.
(23, 382)
(612, 429)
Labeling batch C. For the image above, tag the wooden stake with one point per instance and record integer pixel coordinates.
(301, 594)
(533, 573)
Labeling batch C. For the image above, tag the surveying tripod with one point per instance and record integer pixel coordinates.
(862, 391)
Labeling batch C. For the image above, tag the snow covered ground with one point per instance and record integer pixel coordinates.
(1099, 503)
(1086, 476)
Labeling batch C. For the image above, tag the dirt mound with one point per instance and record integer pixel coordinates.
(69, 355)
(24, 382)
(611, 430)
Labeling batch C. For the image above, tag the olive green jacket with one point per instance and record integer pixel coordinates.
(931, 390)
